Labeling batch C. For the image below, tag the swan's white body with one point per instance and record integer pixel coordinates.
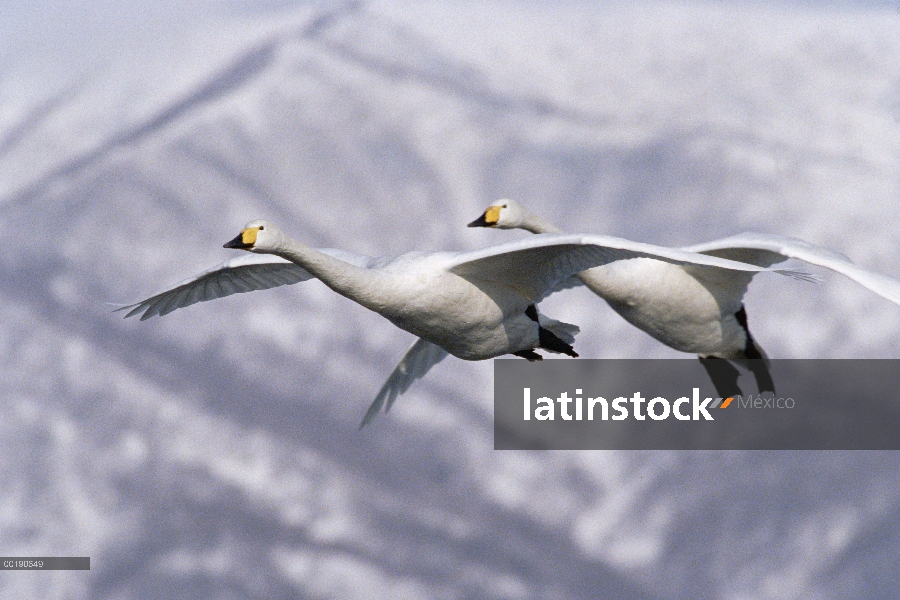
(690, 307)
(419, 293)
(473, 305)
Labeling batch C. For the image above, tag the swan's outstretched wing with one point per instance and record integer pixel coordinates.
(765, 250)
(246, 273)
(566, 284)
(417, 361)
(536, 265)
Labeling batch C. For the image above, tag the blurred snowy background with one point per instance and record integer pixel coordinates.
(213, 453)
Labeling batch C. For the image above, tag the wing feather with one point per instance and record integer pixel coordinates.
(245, 273)
(767, 249)
(565, 284)
(154, 307)
(417, 361)
(539, 264)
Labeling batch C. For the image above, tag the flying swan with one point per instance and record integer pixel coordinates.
(691, 307)
(474, 305)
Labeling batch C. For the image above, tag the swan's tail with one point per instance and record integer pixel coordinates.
(564, 331)
(554, 336)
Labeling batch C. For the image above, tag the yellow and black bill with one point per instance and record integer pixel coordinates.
(488, 219)
(244, 240)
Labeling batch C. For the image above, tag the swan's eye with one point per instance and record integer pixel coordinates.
(505, 206)
(261, 227)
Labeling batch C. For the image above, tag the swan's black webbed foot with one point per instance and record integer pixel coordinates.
(549, 341)
(760, 370)
(529, 355)
(757, 363)
(723, 374)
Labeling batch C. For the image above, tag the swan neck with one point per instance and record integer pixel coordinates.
(350, 281)
(535, 224)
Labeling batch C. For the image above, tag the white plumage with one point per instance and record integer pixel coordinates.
(692, 307)
(475, 305)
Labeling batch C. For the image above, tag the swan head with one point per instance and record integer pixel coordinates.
(256, 236)
(502, 214)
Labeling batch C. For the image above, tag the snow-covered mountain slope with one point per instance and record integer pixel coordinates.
(214, 452)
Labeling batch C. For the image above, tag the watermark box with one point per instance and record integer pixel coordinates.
(45, 563)
(592, 404)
